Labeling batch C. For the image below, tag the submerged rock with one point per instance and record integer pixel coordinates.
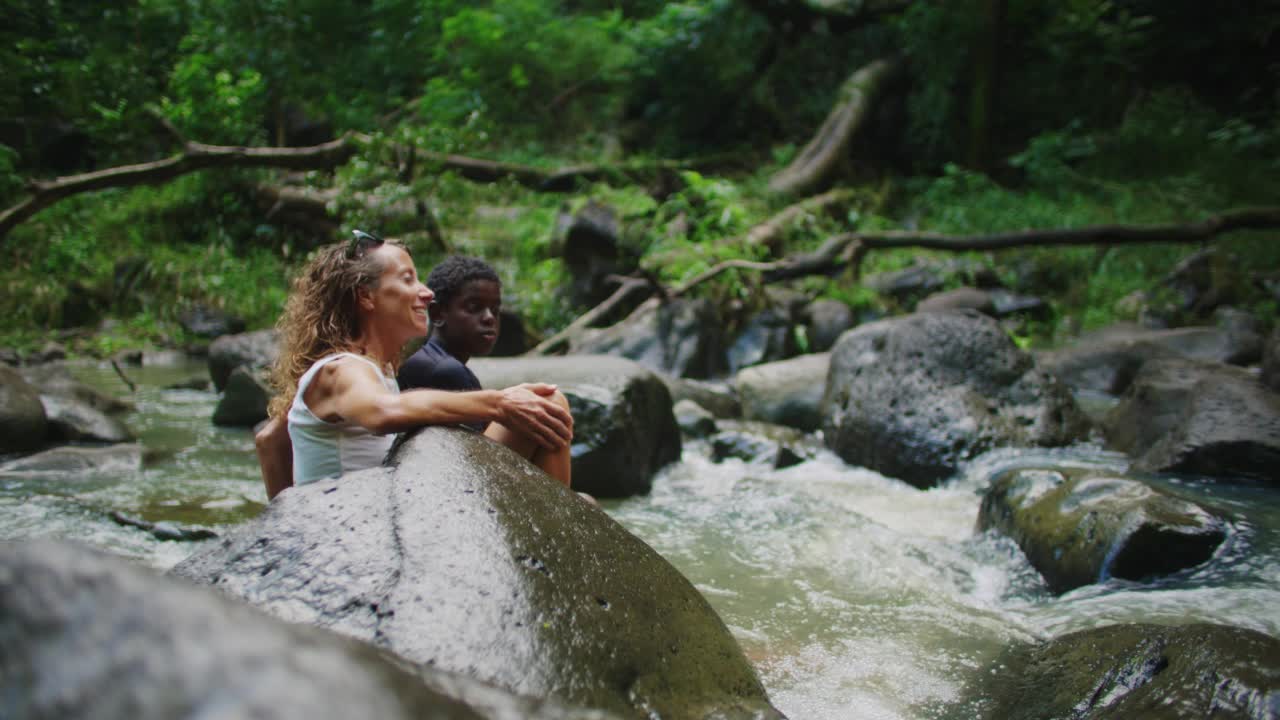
(788, 392)
(89, 635)
(75, 460)
(758, 442)
(1192, 417)
(914, 397)
(1153, 672)
(467, 558)
(1078, 529)
(624, 428)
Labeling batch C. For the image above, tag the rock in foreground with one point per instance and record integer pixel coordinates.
(1152, 672)
(467, 558)
(88, 635)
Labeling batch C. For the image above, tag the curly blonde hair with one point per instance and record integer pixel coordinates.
(320, 316)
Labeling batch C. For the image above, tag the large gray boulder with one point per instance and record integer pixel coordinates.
(467, 558)
(679, 337)
(1107, 360)
(916, 396)
(55, 379)
(788, 392)
(624, 427)
(718, 398)
(257, 350)
(1079, 528)
(73, 420)
(1193, 417)
(23, 423)
(88, 635)
(1154, 672)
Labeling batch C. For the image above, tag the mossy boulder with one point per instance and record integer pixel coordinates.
(1153, 672)
(1078, 528)
(624, 427)
(915, 397)
(1194, 417)
(467, 558)
(89, 635)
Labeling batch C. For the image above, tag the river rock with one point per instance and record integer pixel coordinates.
(693, 419)
(245, 399)
(89, 635)
(1192, 417)
(1155, 672)
(902, 285)
(256, 349)
(824, 321)
(1271, 361)
(767, 336)
(1078, 528)
(718, 398)
(72, 420)
(679, 337)
(79, 460)
(758, 442)
(787, 392)
(624, 428)
(965, 298)
(56, 379)
(914, 397)
(464, 557)
(209, 322)
(23, 423)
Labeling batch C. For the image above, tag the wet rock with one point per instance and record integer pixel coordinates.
(465, 558)
(768, 336)
(23, 424)
(1077, 528)
(56, 379)
(914, 397)
(1107, 360)
(757, 442)
(825, 320)
(718, 398)
(1192, 417)
(679, 337)
(1271, 361)
(1006, 304)
(77, 460)
(89, 635)
(256, 350)
(245, 399)
(903, 285)
(965, 298)
(624, 429)
(73, 420)
(787, 392)
(165, 530)
(694, 420)
(1127, 671)
(210, 322)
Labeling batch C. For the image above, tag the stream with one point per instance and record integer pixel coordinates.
(855, 595)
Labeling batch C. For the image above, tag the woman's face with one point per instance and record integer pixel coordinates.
(400, 300)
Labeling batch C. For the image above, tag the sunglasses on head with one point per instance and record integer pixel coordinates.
(360, 243)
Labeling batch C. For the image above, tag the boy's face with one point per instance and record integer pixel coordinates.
(468, 325)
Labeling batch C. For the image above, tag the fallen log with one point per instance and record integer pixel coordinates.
(815, 163)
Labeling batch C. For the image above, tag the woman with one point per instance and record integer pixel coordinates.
(351, 311)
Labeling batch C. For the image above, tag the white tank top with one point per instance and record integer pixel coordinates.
(328, 449)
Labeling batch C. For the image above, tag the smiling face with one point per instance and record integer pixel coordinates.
(468, 324)
(399, 301)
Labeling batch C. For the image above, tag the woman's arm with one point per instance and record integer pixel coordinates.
(353, 391)
(275, 455)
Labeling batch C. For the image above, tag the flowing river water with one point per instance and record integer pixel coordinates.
(855, 595)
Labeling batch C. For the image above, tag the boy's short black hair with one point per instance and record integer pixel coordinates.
(455, 271)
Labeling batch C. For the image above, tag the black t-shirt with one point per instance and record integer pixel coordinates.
(433, 367)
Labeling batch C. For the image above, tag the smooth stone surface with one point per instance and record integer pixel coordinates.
(693, 419)
(965, 298)
(89, 635)
(245, 399)
(467, 558)
(56, 379)
(1078, 529)
(72, 420)
(624, 427)
(718, 398)
(23, 423)
(681, 337)
(915, 397)
(71, 459)
(257, 350)
(1203, 418)
(788, 392)
(1153, 672)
